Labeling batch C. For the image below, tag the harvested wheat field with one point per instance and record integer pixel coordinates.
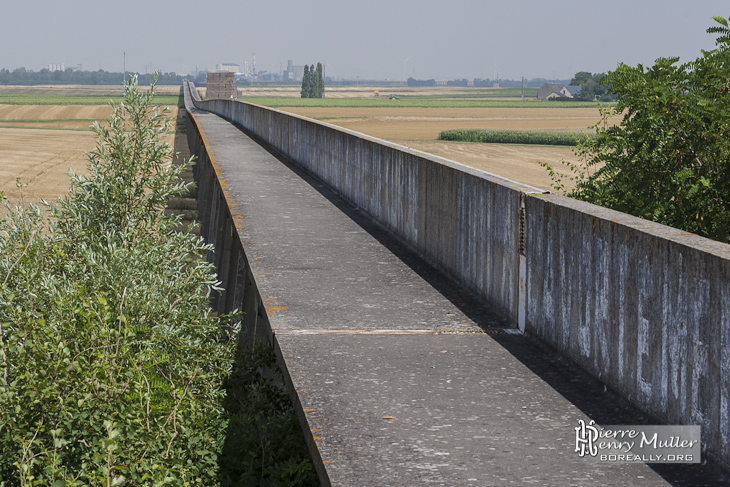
(42, 160)
(115, 89)
(418, 128)
(76, 117)
(54, 112)
(40, 144)
(516, 162)
(426, 123)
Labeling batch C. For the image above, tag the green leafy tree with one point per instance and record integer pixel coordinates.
(306, 82)
(669, 159)
(313, 82)
(318, 82)
(309, 82)
(592, 86)
(21, 76)
(580, 78)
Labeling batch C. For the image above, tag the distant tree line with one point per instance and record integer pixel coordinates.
(487, 83)
(483, 83)
(421, 82)
(516, 83)
(22, 76)
(313, 82)
(458, 82)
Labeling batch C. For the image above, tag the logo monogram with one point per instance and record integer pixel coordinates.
(585, 437)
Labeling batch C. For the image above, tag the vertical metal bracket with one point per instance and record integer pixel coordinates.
(523, 236)
(522, 256)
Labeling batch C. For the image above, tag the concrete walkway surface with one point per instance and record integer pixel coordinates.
(399, 377)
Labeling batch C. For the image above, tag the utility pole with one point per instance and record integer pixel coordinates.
(523, 88)
(124, 76)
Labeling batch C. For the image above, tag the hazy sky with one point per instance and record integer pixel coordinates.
(367, 39)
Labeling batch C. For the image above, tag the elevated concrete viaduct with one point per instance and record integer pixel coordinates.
(429, 317)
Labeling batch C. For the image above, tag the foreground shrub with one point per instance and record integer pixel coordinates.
(111, 361)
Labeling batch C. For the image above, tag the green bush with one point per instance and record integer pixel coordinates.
(111, 360)
(510, 137)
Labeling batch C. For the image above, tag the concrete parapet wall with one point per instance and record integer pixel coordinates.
(643, 307)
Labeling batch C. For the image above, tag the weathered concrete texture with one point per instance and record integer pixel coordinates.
(366, 331)
(454, 410)
(645, 306)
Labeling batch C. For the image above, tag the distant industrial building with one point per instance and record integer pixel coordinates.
(221, 85)
(62, 67)
(230, 67)
(293, 73)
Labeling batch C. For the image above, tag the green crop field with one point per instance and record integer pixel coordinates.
(530, 93)
(69, 99)
(511, 137)
(275, 102)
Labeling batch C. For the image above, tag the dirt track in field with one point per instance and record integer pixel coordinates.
(487, 113)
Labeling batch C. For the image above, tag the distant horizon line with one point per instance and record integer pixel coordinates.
(333, 78)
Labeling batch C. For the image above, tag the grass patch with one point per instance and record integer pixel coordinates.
(494, 93)
(74, 99)
(511, 137)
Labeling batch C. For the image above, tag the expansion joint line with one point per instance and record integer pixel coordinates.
(442, 331)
